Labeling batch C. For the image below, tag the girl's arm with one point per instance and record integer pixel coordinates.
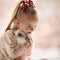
(12, 47)
(25, 56)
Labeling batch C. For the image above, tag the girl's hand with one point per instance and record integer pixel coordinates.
(29, 41)
(26, 44)
(28, 52)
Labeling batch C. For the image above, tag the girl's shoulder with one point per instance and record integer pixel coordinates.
(6, 34)
(9, 31)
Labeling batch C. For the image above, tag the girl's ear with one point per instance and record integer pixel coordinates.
(16, 23)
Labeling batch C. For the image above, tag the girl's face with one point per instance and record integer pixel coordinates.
(28, 27)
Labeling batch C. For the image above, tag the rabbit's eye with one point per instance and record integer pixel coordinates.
(20, 35)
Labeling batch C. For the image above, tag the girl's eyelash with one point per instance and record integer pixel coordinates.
(28, 26)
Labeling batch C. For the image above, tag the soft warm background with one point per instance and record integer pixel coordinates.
(47, 34)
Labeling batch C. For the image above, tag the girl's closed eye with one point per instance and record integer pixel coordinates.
(28, 26)
(31, 27)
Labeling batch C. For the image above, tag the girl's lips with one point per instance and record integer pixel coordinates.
(29, 32)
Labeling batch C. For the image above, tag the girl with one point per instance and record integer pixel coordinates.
(24, 20)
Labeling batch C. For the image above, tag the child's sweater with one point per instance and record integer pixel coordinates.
(11, 46)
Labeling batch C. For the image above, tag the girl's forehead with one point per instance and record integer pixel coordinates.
(31, 23)
(30, 18)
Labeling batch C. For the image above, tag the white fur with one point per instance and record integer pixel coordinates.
(20, 40)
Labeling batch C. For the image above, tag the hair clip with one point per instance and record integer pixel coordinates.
(25, 4)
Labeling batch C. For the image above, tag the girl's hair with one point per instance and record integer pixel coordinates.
(23, 8)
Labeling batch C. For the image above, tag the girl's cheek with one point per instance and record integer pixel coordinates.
(27, 28)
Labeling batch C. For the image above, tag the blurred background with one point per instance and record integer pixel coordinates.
(46, 37)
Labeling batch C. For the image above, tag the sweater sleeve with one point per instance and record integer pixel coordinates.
(12, 47)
